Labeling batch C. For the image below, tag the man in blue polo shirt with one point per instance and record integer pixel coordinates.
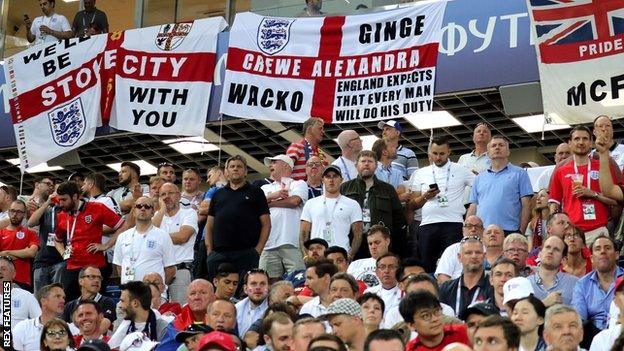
(502, 194)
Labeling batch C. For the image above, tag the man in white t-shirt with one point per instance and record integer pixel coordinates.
(27, 333)
(439, 190)
(181, 225)
(332, 216)
(47, 28)
(144, 248)
(388, 287)
(378, 239)
(350, 145)
(23, 304)
(562, 152)
(449, 266)
(285, 197)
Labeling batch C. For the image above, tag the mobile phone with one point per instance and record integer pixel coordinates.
(433, 186)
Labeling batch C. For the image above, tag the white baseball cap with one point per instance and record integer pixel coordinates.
(517, 288)
(289, 161)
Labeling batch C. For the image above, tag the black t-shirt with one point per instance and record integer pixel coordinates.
(237, 217)
(84, 20)
(47, 255)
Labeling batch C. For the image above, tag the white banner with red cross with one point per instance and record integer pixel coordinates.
(163, 77)
(54, 94)
(357, 68)
(580, 54)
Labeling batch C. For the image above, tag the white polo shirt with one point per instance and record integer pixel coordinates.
(341, 212)
(148, 252)
(184, 216)
(23, 306)
(364, 270)
(285, 221)
(449, 262)
(452, 180)
(27, 334)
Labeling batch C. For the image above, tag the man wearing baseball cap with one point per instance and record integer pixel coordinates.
(332, 216)
(406, 159)
(346, 319)
(192, 335)
(285, 198)
(217, 340)
(476, 313)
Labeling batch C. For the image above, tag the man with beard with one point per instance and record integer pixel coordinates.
(378, 239)
(200, 294)
(580, 197)
(473, 284)
(19, 243)
(90, 281)
(252, 308)
(350, 145)
(388, 287)
(27, 333)
(448, 266)
(593, 293)
(79, 234)
(308, 146)
(130, 188)
(278, 332)
(181, 225)
(378, 200)
(135, 302)
(87, 317)
(550, 284)
(221, 316)
(439, 190)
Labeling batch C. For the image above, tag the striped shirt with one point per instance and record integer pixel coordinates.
(300, 152)
(406, 161)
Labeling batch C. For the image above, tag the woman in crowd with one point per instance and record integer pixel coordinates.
(56, 336)
(528, 314)
(578, 260)
(373, 310)
(536, 230)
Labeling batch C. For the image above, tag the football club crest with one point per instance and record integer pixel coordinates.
(151, 244)
(273, 34)
(88, 219)
(170, 36)
(67, 123)
(20, 235)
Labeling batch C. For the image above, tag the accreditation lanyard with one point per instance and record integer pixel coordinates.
(134, 258)
(588, 170)
(344, 164)
(328, 219)
(70, 233)
(448, 175)
(458, 300)
(84, 16)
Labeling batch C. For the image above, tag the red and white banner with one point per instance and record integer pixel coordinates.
(163, 77)
(54, 94)
(343, 69)
(580, 53)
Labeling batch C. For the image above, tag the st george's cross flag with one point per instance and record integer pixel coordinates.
(344, 69)
(580, 53)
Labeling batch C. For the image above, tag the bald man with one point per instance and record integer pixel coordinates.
(200, 294)
(350, 145)
(562, 152)
(604, 127)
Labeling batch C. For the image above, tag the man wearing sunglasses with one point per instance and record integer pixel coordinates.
(19, 243)
(144, 248)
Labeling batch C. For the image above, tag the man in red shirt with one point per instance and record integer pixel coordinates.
(307, 147)
(423, 313)
(79, 234)
(575, 187)
(19, 243)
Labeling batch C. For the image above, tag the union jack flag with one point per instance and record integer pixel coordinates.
(562, 25)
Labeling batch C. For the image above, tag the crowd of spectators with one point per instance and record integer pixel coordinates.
(370, 252)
